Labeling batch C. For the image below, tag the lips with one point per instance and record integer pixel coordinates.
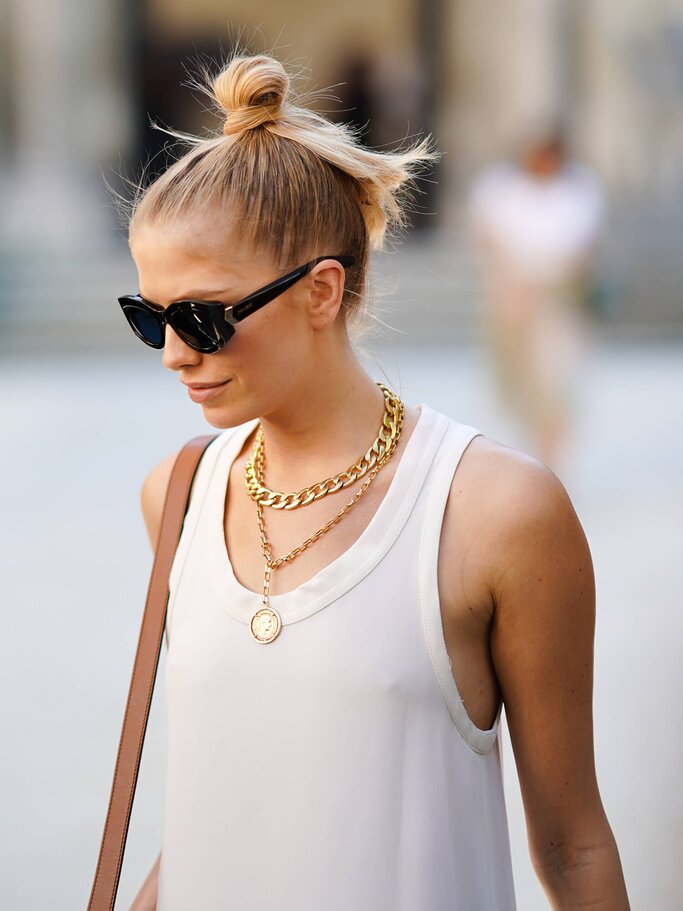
(201, 392)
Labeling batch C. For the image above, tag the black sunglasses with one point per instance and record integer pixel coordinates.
(207, 325)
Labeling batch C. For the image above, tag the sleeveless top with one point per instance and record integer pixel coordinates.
(336, 767)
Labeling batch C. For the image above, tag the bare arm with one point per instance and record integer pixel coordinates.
(542, 648)
(146, 899)
(152, 496)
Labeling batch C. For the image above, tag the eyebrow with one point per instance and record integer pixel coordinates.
(204, 294)
(192, 295)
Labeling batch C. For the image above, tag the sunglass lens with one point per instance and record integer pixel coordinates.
(145, 325)
(196, 325)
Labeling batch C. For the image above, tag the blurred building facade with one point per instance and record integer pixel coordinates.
(81, 80)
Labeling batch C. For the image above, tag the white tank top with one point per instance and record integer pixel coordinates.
(335, 768)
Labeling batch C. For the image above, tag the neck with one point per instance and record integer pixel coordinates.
(328, 421)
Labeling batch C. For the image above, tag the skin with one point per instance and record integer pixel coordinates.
(515, 576)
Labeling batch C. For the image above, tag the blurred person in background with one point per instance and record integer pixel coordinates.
(536, 224)
(333, 732)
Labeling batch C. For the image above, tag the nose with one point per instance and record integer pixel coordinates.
(177, 353)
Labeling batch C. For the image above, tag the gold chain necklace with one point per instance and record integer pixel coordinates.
(380, 451)
(266, 623)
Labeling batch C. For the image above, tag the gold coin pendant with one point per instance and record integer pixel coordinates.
(265, 624)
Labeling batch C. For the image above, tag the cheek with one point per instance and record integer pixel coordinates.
(273, 349)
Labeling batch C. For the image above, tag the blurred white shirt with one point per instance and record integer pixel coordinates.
(540, 229)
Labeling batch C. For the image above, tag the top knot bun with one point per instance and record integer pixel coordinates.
(251, 91)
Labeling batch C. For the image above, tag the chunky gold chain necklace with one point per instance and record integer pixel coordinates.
(380, 451)
(266, 623)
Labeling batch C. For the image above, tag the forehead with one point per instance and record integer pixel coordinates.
(174, 263)
(187, 244)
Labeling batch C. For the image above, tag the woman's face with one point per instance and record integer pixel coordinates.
(274, 353)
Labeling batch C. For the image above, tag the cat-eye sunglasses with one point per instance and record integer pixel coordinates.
(207, 325)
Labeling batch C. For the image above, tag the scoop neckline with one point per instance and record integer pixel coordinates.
(346, 570)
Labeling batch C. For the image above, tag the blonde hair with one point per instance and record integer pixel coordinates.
(301, 185)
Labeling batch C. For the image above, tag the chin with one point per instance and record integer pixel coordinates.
(222, 417)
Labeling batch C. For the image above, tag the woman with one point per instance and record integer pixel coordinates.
(360, 582)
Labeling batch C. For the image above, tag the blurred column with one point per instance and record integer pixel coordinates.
(543, 57)
(429, 31)
(68, 117)
(510, 66)
(565, 36)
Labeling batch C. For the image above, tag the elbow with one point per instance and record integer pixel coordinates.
(563, 846)
(558, 860)
(586, 872)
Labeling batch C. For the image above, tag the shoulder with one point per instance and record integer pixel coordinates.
(156, 480)
(514, 483)
(153, 494)
(155, 483)
(514, 511)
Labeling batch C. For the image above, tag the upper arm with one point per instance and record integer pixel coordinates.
(542, 635)
(153, 494)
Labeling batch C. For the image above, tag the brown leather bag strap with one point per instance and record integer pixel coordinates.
(106, 882)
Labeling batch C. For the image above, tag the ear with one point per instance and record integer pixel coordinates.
(325, 287)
